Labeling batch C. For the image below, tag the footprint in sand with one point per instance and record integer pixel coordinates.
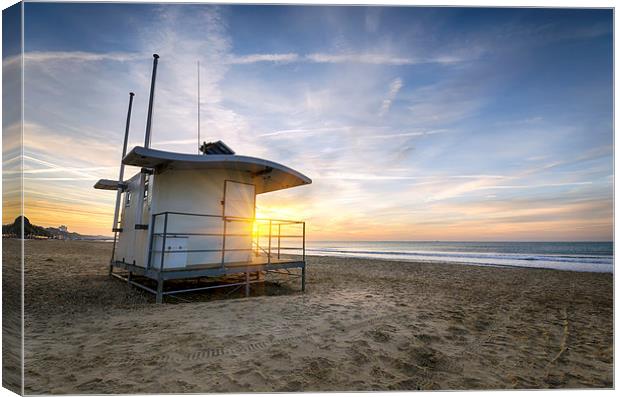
(379, 336)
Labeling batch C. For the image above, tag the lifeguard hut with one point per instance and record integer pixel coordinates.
(193, 215)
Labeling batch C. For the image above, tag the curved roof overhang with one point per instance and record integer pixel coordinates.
(268, 176)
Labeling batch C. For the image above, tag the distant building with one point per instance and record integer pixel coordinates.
(63, 232)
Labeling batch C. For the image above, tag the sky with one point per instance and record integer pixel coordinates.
(413, 123)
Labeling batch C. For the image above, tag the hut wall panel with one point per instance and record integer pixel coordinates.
(126, 243)
(200, 192)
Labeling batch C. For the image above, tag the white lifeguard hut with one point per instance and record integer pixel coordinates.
(193, 215)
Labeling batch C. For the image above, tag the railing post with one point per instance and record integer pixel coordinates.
(163, 242)
(151, 239)
(111, 268)
(257, 238)
(224, 241)
(279, 233)
(304, 242)
(269, 249)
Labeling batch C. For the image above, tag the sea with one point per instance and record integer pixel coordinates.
(573, 256)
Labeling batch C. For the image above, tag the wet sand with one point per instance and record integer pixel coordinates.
(361, 325)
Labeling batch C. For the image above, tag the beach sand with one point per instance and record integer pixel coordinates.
(361, 325)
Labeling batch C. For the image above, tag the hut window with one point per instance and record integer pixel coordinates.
(146, 188)
(148, 191)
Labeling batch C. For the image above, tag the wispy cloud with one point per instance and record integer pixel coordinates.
(380, 59)
(84, 56)
(409, 134)
(305, 131)
(361, 58)
(59, 178)
(426, 178)
(536, 186)
(365, 177)
(255, 58)
(395, 86)
(80, 172)
(81, 56)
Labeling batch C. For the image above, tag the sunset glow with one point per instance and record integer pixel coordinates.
(482, 125)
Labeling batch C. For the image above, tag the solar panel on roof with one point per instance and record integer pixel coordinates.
(218, 147)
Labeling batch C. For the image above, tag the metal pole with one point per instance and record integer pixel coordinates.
(151, 240)
(279, 233)
(163, 242)
(304, 243)
(119, 189)
(269, 250)
(160, 290)
(149, 118)
(257, 239)
(111, 268)
(121, 174)
(198, 62)
(140, 202)
(223, 241)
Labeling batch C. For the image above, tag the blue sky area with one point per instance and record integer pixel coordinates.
(414, 123)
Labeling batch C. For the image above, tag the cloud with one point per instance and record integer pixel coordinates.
(80, 172)
(409, 134)
(84, 56)
(232, 59)
(60, 178)
(305, 131)
(490, 182)
(395, 86)
(380, 59)
(372, 19)
(41, 142)
(446, 102)
(13, 62)
(537, 186)
(255, 58)
(439, 179)
(365, 177)
(81, 56)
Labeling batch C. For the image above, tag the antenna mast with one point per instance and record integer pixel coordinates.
(119, 189)
(198, 64)
(147, 135)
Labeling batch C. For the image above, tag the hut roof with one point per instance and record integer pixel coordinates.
(108, 184)
(268, 175)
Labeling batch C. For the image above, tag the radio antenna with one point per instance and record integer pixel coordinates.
(198, 67)
(149, 118)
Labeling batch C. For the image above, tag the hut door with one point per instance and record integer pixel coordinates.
(239, 199)
(239, 204)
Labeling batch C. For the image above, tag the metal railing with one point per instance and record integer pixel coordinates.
(260, 238)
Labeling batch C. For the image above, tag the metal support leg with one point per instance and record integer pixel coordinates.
(160, 290)
(110, 269)
(303, 279)
(247, 284)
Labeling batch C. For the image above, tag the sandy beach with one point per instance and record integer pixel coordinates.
(361, 325)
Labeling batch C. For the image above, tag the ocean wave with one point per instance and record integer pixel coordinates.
(596, 263)
(523, 257)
